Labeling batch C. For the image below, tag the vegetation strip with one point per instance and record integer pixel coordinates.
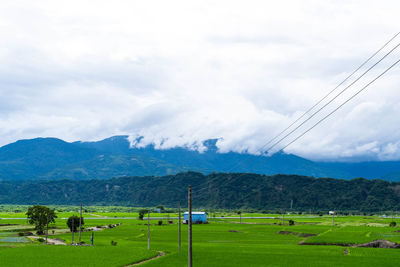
(380, 243)
(228, 191)
(160, 254)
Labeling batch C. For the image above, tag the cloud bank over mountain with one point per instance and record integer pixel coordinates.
(178, 73)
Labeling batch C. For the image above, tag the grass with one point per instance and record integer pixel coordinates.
(223, 242)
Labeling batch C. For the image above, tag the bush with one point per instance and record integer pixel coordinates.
(41, 240)
(392, 224)
(21, 234)
(113, 243)
(159, 222)
(291, 222)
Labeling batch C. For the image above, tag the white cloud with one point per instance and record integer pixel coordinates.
(180, 72)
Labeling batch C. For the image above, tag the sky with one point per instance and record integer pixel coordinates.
(180, 72)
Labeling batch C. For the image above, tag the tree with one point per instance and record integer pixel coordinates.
(142, 213)
(73, 221)
(40, 216)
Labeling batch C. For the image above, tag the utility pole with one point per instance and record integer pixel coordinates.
(190, 260)
(333, 219)
(240, 213)
(47, 224)
(291, 204)
(80, 225)
(179, 223)
(283, 218)
(148, 229)
(72, 238)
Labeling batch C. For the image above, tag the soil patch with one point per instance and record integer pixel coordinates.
(295, 233)
(50, 241)
(100, 228)
(380, 243)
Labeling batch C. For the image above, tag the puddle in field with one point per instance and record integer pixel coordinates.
(12, 238)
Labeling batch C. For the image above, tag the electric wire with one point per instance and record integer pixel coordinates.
(336, 109)
(335, 97)
(320, 101)
(329, 93)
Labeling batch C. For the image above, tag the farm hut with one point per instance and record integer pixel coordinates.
(331, 212)
(197, 217)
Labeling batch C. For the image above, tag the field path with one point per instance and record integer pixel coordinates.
(160, 254)
(50, 240)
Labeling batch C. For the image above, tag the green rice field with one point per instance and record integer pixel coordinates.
(221, 242)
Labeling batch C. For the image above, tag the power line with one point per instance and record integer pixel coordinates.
(334, 89)
(320, 101)
(330, 101)
(336, 109)
(344, 103)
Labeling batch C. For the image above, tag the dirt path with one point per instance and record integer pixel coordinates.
(49, 240)
(160, 254)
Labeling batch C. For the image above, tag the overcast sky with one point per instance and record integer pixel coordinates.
(180, 72)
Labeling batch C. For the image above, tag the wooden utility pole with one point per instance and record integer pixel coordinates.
(72, 238)
(179, 223)
(148, 229)
(333, 219)
(47, 224)
(190, 260)
(283, 217)
(80, 225)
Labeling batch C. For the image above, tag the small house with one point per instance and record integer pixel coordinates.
(331, 212)
(197, 217)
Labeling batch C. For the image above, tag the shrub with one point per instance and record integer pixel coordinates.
(291, 222)
(41, 240)
(113, 243)
(392, 224)
(159, 222)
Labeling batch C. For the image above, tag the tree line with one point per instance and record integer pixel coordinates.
(216, 190)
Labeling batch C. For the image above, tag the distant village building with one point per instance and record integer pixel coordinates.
(197, 217)
(331, 212)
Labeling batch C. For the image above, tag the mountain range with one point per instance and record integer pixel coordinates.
(55, 159)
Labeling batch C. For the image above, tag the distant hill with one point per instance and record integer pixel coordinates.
(217, 190)
(51, 158)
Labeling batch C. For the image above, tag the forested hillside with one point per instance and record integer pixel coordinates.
(217, 190)
(55, 159)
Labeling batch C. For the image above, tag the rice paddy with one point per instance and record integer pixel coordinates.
(222, 242)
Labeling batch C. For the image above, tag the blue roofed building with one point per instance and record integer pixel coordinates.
(197, 217)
